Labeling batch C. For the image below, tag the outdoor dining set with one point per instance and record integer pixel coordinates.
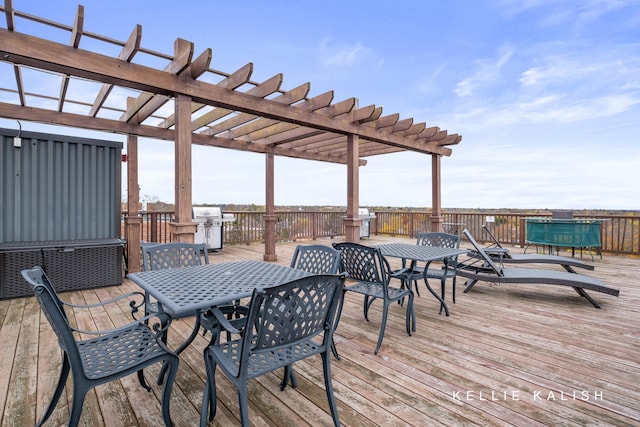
(261, 316)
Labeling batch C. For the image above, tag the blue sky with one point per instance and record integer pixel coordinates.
(546, 94)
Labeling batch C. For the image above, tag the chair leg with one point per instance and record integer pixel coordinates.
(411, 316)
(383, 325)
(288, 377)
(326, 365)
(209, 397)
(453, 289)
(79, 392)
(334, 350)
(166, 389)
(367, 303)
(142, 381)
(416, 286)
(205, 409)
(243, 403)
(443, 283)
(62, 380)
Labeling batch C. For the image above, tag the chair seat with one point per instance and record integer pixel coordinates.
(260, 363)
(376, 290)
(119, 351)
(440, 273)
(432, 273)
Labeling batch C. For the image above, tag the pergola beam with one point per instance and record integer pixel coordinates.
(11, 111)
(28, 50)
(294, 132)
(287, 98)
(183, 53)
(254, 130)
(129, 50)
(233, 81)
(265, 88)
(76, 34)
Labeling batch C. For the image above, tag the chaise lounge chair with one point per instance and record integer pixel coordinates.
(498, 253)
(488, 271)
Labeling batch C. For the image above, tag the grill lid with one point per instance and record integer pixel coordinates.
(206, 212)
(363, 213)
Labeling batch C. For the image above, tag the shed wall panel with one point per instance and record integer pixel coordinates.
(59, 187)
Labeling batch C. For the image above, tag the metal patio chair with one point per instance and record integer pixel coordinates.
(413, 273)
(370, 271)
(285, 324)
(111, 355)
(158, 256)
(316, 259)
(173, 255)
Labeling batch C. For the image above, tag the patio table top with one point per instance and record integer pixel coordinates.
(418, 252)
(182, 291)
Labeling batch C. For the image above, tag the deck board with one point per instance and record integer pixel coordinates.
(526, 344)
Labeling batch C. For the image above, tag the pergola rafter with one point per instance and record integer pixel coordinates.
(235, 113)
(291, 97)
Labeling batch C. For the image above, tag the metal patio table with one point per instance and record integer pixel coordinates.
(421, 253)
(188, 291)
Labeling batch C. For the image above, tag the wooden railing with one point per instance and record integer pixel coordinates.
(620, 234)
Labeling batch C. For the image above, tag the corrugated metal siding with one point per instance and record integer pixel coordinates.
(59, 188)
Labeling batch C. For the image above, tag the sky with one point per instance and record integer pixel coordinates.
(545, 93)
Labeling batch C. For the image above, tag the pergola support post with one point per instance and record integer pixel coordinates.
(183, 229)
(133, 220)
(270, 217)
(436, 194)
(352, 221)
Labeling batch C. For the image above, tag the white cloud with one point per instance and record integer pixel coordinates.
(554, 109)
(486, 73)
(342, 55)
(563, 12)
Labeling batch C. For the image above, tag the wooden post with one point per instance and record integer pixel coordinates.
(270, 216)
(352, 221)
(183, 228)
(133, 220)
(436, 192)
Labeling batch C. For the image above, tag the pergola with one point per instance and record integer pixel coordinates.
(189, 102)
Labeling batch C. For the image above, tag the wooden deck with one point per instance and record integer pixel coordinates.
(508, 355)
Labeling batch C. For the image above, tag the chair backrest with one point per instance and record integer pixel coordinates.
(293, 312)
(316, 259)
(54, 312)
(173, 255)
(487, 259)
(363, 263)
(494, 240)
(444, 240)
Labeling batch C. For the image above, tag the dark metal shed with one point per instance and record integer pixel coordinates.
(60, 209)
